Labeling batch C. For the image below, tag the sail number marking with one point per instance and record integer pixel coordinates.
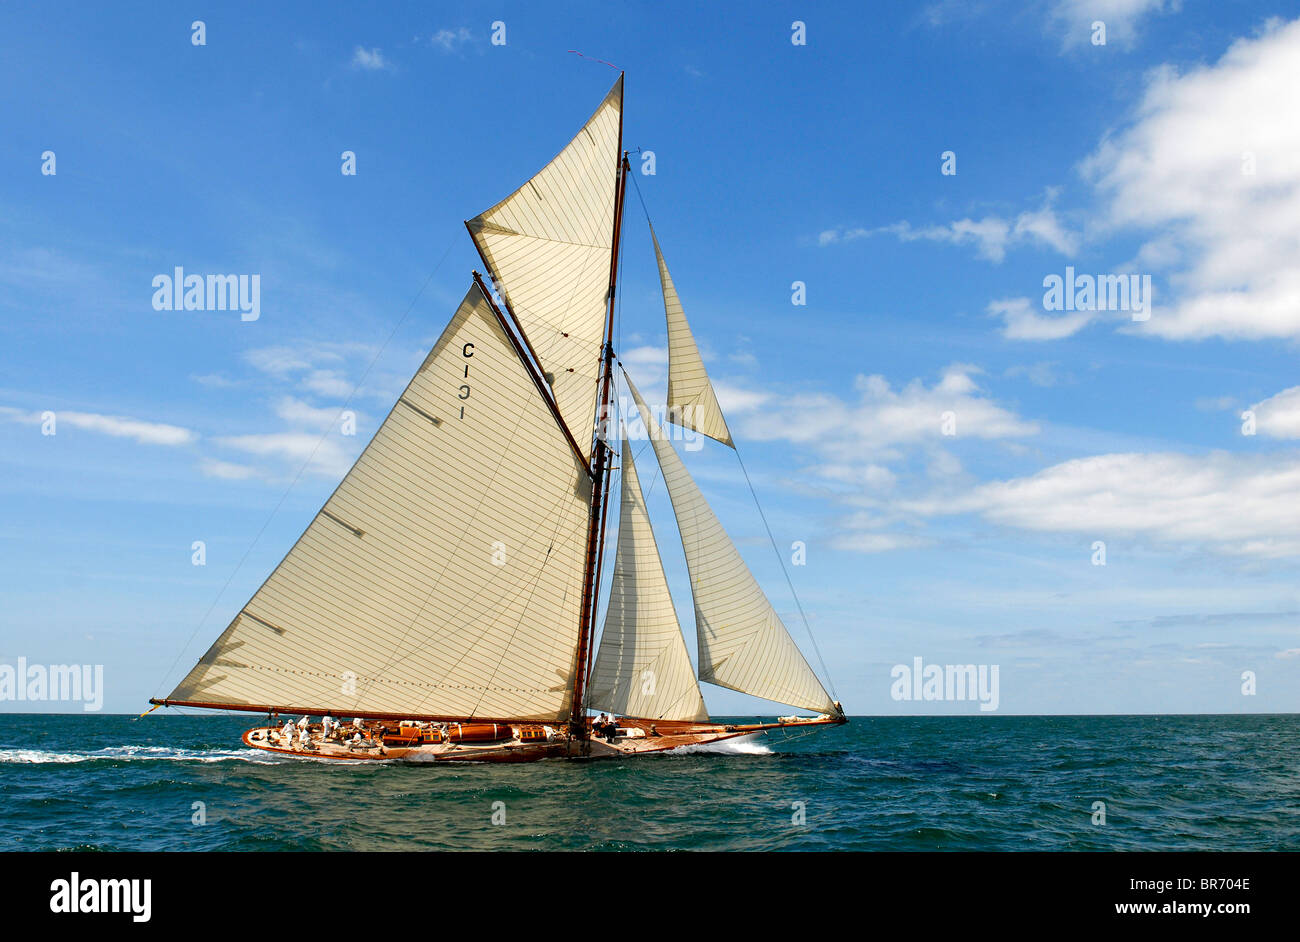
(467, 351)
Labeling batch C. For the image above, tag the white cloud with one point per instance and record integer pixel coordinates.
(1120, 16)
(1040, 374)
(319, 454)
(647, 365)
(450, 39)
(1229, 238)
(225, 470)
(1232, 504)
(321, 368)
(371, 60)
(992, 236)
(1022, 321)
(865, 431)
(869, 542)
(146, 433)
(1279, 416)
(327, 383)
(215, 381)
(299, 413)
(280, 361)
(737, 400)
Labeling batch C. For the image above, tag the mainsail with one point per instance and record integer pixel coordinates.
(691, 400)
(444, 575)
(548, 247)
(642, 667)
(743, 644)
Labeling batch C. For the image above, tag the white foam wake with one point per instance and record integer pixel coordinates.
(739, 746)
(133, 753)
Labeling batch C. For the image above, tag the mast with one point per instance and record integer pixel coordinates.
(600, 457)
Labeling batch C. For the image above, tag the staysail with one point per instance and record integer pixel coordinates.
(743, 644)
(548, 246)
(691, 399)
(642, 667)
(444, 575)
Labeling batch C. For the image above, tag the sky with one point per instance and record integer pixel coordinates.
(957, 454)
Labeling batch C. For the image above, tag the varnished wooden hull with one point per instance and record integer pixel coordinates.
(647, 738)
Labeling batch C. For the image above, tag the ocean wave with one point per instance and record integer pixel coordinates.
(133, 754)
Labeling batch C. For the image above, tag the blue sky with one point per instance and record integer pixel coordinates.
(1170, 151)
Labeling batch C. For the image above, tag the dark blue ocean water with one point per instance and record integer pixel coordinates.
(952, 783)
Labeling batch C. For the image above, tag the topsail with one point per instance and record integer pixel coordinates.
(548, 246)
(691, 399)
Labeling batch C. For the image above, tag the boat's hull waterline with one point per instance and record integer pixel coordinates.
(479, 742)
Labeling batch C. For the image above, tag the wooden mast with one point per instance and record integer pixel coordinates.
(600, 455)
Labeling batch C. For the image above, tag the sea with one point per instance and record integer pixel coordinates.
(959, 783)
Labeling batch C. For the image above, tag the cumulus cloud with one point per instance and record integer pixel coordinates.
(854, 441)
(1279, 416)
(1232, 504)
(883, 417)
(1208, 167)
(311, 437)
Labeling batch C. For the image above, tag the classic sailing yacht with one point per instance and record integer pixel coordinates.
(444, 597)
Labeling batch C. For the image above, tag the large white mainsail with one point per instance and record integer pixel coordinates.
(642, 667)
(743, 644)
(548, 246)
(691, 399)
(444, 575)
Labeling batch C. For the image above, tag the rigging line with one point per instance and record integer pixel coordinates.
(410, 307)
(640, 198)
(594, 59)
(786, 572)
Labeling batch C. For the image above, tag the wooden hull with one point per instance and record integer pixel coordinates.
(639, 737)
